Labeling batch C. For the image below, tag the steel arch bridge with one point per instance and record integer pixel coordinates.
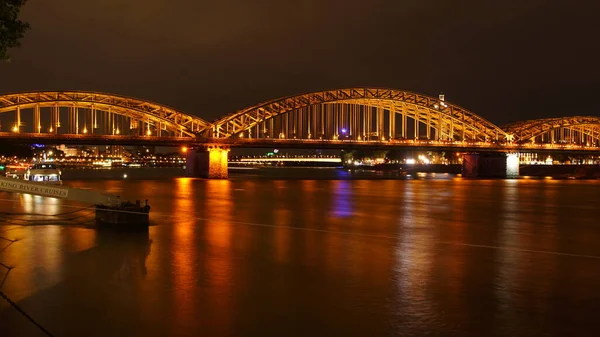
(78, 112)
(581, 130)
(357, 114)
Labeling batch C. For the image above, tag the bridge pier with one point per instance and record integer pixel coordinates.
(208, 162)
(492, 165)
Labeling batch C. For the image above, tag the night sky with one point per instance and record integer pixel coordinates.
(505, 60)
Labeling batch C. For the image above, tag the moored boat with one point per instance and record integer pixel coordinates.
(44, 173)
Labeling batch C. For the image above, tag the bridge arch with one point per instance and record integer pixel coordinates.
(86, 110)
(582, 130)
(357, 113)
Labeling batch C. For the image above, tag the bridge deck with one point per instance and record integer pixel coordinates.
(29, 138)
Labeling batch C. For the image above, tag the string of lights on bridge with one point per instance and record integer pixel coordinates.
(346, 116)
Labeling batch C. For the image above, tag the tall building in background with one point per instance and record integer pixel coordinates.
(115, 150)
(68, 151)
(141, 151)
(92, 151)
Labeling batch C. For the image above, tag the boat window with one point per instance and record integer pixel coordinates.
(44, 167)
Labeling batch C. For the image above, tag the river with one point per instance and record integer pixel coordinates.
(309, 252)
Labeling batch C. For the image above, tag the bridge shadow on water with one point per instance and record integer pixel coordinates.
(97, 295)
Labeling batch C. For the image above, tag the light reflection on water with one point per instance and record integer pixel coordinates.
(315, 257)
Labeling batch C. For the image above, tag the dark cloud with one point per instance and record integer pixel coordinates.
(505, 60)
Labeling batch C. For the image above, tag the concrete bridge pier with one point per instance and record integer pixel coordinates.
(490, 165)
(209, 161)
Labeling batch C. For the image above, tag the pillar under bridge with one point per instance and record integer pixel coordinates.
(490, 165)
(209, 162)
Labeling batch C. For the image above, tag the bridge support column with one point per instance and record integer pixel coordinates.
(207, 162)
(494, 165)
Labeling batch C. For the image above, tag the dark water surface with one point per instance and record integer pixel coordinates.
(301, 257)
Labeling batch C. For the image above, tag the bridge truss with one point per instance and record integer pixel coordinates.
(580, 130)
(74, 112)
(357, 114)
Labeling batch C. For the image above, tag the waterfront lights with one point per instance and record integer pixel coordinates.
(184, 149)
(344, 130)
(512, 165)
(50, 129)
(149, 133)
(15, 128)
(118, 132)
(84, 130)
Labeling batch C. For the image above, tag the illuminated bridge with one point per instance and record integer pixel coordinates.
(343, 118)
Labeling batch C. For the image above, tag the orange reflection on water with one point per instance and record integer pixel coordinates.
(523, 232)
(80, 239)
(415, 246)
(184, 264)
(218, 212)
(282, 217)
(218, 256)
(47, 246)
(454, 270)
(35, 204)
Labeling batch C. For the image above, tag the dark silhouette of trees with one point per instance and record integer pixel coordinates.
(12, 29)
